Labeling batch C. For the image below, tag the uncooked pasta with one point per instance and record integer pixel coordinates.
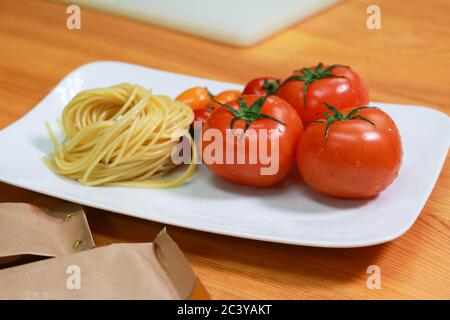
(123, 136)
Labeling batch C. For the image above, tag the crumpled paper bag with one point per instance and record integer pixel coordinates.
(30, 233)
(155, 270)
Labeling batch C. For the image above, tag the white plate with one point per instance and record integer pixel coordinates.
(288, 213)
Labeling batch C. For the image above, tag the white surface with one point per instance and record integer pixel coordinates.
(236, 22)
(288, 213)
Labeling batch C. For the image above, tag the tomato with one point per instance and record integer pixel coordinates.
(262, 86)
(245, 121)
(224, 97)
(196, 97)
(201, 115)
(357, 157)
(308, 88)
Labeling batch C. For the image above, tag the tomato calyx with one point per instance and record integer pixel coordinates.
(310, 75)
(339, 116)
(270, 86)
(248, 113)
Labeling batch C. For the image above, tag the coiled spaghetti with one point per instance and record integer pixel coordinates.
(121, 135)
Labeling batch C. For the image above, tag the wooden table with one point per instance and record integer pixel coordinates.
(407, 61)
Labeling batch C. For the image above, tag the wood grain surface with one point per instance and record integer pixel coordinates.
(407, 61)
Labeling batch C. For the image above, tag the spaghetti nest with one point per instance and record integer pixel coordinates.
(121, 135)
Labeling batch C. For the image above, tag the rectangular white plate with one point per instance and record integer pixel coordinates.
(288, 213)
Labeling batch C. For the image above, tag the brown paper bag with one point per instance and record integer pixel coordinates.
(155, 270)
(29, 233)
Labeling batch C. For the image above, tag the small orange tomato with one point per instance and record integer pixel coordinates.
(196, 97)
(225, 97)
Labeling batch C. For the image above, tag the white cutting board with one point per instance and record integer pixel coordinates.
(236, 22)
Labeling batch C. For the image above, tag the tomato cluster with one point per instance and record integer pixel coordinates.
(318, 117)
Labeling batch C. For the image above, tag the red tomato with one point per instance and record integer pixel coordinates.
(196, 97)
(262, 86)
(307, 90)
(245, 120)
(224, 97)
(201, 115)
(358, 156)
